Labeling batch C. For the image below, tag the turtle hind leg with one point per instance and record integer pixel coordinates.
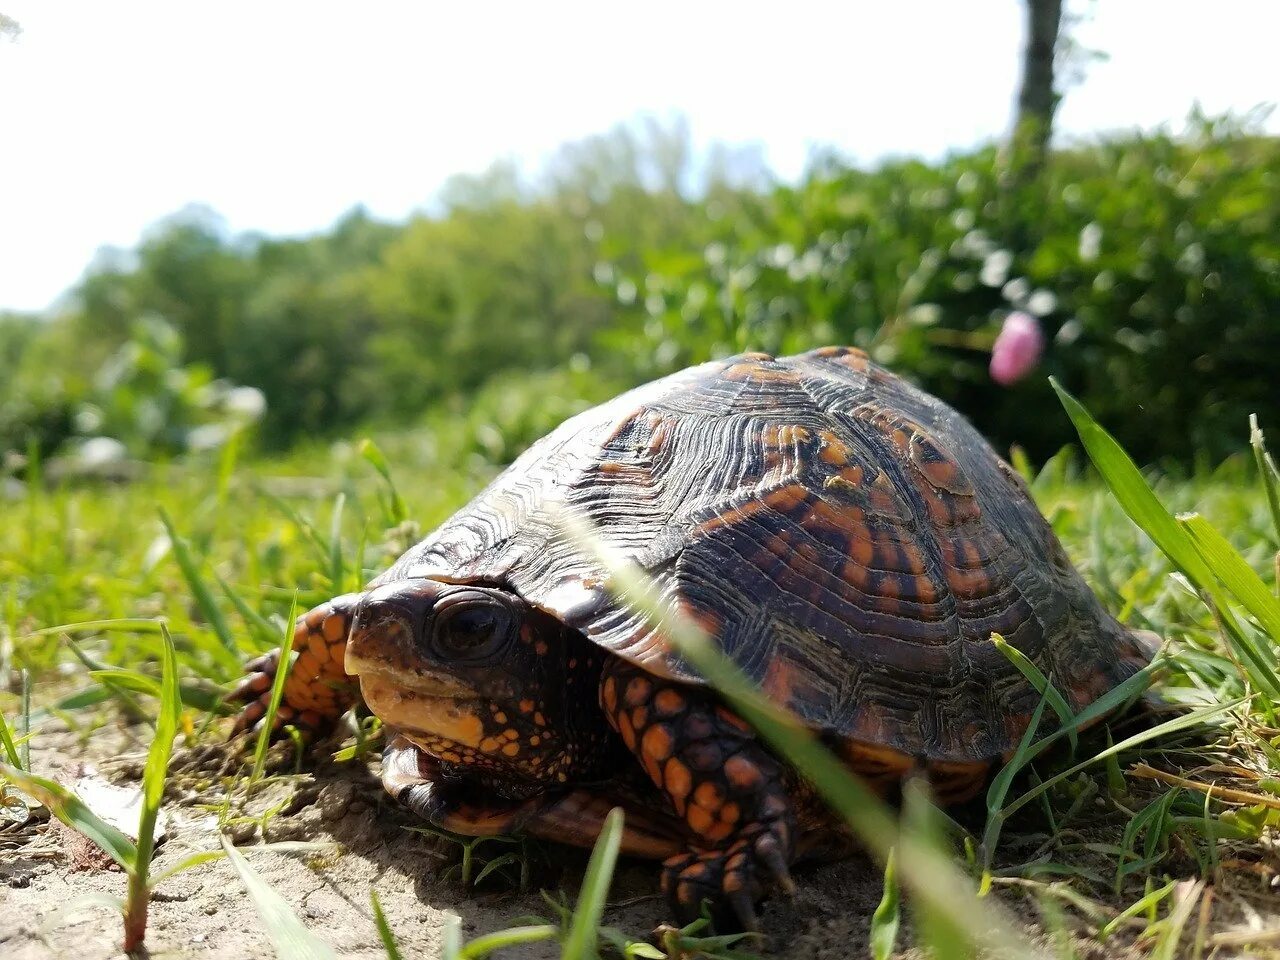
(318, 689)
(717, 776)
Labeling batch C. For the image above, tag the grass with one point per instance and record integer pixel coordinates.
(139, 602)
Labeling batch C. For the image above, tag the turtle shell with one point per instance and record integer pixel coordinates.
(849, 540)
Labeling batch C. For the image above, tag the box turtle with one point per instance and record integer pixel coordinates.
(849, 540)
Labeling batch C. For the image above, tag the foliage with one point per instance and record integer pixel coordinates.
(1152, 261)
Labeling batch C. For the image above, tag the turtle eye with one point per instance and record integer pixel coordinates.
(470, 625)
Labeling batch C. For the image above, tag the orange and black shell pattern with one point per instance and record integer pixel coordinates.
(849, 540)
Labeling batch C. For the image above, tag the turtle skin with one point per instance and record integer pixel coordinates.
(850, 541)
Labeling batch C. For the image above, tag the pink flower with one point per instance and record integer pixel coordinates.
(1017, 349)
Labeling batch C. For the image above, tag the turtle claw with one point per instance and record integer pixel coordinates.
(732, 880)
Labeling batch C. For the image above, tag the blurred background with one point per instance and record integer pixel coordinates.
(290, 224)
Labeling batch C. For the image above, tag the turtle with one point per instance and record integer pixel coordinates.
(850, 541)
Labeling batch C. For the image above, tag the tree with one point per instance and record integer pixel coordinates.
(1037, 98)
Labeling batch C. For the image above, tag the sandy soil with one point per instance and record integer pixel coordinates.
(206, 913)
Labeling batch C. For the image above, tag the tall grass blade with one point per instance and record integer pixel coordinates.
(1235, 573)
(580, 944)
(196, 583)
(369, 450)
(1145, 509)
(1184, 722)
(290, 938)
(388, 938)
(277, 693)
(884, 922)
(10, 748)
(154, 776)
(1266, 471)
(1043, 686)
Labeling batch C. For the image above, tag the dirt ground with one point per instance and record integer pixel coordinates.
(206, 913)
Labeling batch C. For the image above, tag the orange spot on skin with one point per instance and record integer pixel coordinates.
(708, 795)
(610, 695)
(335, 629)
(500, 717)
(677, 779)
(656, 744)
(699, 819)
(318, 648)
(450, 756)
(539, 719)
(511, 749)
(668, 702)
(526, 706)
(742, 773)
(627, 732)
(717, 832)
(640, 718)
(638, 691)
(730, 812)
(489, 744)
(540, 648)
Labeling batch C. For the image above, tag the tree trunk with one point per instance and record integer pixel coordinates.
(1037, 100)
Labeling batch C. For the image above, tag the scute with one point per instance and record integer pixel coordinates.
(851, 542)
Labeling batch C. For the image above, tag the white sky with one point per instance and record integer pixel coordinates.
(283, 115)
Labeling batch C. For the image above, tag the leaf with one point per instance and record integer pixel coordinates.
(884, 922)
(72, 811)
(290, 938)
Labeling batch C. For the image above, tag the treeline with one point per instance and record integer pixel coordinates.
(1153, 264)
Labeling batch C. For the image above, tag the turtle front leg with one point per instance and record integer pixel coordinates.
(318, 689)
(720, 780)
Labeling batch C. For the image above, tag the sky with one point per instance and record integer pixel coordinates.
(282, 115)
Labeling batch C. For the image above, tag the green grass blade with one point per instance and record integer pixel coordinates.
(1145, 509)
(196, 583)
(122, 625)
(337, 566)
(369, 450)
(388, 938)
(884, 922)
(277, 693)
(72, 811)
(260, 625)
(511, 937)
(290, 938)
(10, 748)
(1184, 722)
(1266, 471)
(580, 944)
(154, 776)
(1234, 573)
(24, 714)
(1042, 684)
(1166, 946)
(1134, 909)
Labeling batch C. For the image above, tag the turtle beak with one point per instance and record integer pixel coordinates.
(385, 646)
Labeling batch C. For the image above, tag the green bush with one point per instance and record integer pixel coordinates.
(1154, 264)
(1152, 261)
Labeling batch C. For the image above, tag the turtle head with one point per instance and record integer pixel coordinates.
(479, 680)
